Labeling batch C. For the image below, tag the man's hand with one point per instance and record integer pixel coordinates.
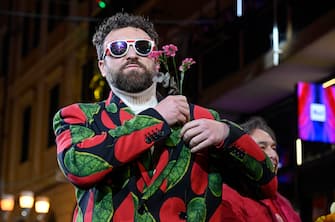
(202, 133)
(174, 109)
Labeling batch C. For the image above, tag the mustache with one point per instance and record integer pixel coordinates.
(133, 61)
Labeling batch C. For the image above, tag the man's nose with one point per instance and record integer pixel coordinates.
(131, 52)
(269, 151)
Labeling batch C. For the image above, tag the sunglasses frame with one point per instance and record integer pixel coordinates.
(130, 42)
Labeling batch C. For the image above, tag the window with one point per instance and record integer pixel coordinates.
(25, 133)
(31, 29)
(53, 108)
(25, 37)
(89, 86)
(4, 54)
(37, 24)
(58, 10)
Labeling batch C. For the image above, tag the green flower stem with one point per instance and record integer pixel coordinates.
(181, 83)
(176, 72)
(164, 61)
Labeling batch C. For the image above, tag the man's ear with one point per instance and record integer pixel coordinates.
(102, 67)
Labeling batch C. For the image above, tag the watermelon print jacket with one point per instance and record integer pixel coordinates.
(104, 150)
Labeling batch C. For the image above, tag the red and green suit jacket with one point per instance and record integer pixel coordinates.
(104, 150)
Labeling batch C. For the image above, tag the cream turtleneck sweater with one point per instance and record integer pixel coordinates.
(138, 102)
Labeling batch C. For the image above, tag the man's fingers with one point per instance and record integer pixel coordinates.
(174, 109)
(197, 139)
(200, 146)
(188, 126)
(202, 133)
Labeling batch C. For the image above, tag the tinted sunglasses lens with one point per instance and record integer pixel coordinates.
(118, 48)
(143, 47)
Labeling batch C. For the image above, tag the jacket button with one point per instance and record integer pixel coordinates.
(140, 210)
(148, 140)
(183, 215)
(155, 136)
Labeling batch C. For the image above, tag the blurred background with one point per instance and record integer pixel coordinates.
(275, 59)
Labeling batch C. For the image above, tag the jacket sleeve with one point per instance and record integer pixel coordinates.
(244, 164)
(256, 177)
(93, 141)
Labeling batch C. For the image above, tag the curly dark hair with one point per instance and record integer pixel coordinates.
(122, 20)
(257, 122)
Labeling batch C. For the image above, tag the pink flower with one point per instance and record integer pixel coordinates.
(156, 54)
(170, 50)
(186, 64)
(171, 78)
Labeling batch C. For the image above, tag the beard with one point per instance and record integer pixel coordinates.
(133, 81)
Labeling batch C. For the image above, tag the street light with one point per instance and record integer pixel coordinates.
(6, 205)
(102, 3)
(42, 205)
(7, 202)
(26, 201)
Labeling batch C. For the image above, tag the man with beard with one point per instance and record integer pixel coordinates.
(137, 157)
(239, 208)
